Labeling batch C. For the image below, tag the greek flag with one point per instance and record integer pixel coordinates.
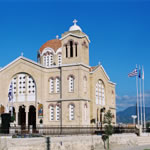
(133, 73)
(10, 93)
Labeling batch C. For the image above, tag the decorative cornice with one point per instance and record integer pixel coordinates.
(42, 66)
(74, 99)
(75, 36)
(112, 83)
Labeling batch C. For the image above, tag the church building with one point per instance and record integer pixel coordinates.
(61, 88)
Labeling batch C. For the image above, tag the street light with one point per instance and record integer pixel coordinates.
(134, 117)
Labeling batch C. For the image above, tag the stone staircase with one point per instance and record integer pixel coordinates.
(143, 140)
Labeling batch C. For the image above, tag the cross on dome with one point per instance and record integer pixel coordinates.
(57, 36)
(21, 53)
(75, 21)
(75, 27)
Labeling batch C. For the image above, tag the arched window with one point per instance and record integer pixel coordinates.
(76, 50)
(57, 85)
(51, 112)
(85, 84)
(100, 93)
(30, 88)
(96, 94)
(51, 59)
(71, 83)
(44, 60)
(48, 59)
(51, 85)
(71, 112)
(22, 88)
(71, 49)
(59, 59)
(57, 112)
(66, 51)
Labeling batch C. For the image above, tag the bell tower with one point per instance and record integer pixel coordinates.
(75, 46)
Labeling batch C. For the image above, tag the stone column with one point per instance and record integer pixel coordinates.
(17, 113)
(74, 50)
(27, 112)
(68, 46)
(99, 112)
(97, 116)
(102, 117)
(36, 109)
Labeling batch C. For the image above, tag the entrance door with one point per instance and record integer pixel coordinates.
(5, 123)
(22, 117)
(32, 116)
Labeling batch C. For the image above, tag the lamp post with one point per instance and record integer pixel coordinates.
(134, 117)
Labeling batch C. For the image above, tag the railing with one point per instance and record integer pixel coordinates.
(66, 130)
(146, 130)
(124, 129)
(54, 130)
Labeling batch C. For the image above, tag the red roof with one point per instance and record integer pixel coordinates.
(54, 44)
(92, 68)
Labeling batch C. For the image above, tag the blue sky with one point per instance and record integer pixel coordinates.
(119, 32)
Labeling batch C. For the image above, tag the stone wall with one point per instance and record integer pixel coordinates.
(65, 143)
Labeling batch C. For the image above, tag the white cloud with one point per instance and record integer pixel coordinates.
(125, 101)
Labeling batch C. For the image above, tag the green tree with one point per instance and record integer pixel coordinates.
(108, 127)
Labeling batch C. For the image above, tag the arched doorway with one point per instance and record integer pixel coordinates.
(22, 117)
(32, 116)
(12, 114)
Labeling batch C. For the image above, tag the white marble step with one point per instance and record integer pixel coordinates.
(143, 140)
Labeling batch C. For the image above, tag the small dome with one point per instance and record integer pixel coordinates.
(75, 27)
(54, 44)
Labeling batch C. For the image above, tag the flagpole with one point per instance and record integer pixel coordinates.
(140, 96)
(137, 98)
(12, 100)
(10, 97)
(143, 97)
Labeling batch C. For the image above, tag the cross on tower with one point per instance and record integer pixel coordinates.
(75, 21)
(21, 53)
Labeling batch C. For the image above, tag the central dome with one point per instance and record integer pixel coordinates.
(75, 27)
(54, 44)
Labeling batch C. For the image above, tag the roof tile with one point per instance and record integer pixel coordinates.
(54, 44)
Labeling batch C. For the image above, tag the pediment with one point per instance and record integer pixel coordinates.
(18, 61)
(100, 68)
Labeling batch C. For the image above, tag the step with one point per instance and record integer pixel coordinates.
(143, 140)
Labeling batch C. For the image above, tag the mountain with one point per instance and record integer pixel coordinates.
(125, 115)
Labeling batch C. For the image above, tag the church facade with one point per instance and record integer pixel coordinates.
(61, 88)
